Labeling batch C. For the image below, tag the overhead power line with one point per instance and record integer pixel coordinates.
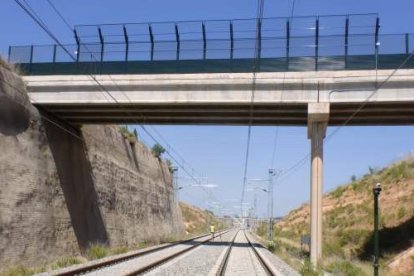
(30, 11)
(256, 64)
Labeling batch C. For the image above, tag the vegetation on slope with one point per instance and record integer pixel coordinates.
(348, 223)
(197, 221)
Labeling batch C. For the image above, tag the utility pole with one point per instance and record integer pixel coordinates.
(376, 191)
(272, 173)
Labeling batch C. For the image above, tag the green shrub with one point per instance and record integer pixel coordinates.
(119, 250)
(337, 193)
(65, 262)
(130, 136)
(309, 270)
(271, 247)
(333, 248)
(344, 268)
(18, 271)
(157, 150)
(97, 252)
(401, 212)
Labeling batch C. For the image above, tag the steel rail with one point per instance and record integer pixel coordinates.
(109, 262)
(159, 262)
(268, 269)
(223, 265)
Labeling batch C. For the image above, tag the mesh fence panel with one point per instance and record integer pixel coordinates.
(114, 51)
(218, 49)
(68, 55)
(361, 44)
(90, 52)
(392, 44)
(43, 54)
(20, 54)
(198, 40)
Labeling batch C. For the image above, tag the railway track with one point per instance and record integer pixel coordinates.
(265, 268)
(231, 253)
(97, 266)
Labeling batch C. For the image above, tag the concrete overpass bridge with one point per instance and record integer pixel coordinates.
(309, 71)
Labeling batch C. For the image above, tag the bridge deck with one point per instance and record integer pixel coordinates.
(225, 98)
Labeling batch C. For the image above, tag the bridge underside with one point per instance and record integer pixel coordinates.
(354, 114)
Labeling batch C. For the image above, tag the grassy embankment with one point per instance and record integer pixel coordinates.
(348, 225)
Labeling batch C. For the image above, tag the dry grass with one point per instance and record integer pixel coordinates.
(197, 221)
(348, 219)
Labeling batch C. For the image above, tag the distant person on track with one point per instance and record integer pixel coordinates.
(212, 231)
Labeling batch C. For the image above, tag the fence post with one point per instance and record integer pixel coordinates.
(31, 59)
(101, 38)
(377, 26)
(203, 27)
(152, 41)
(126, 43)
(177, 38)
(259, 42)
(316, 43)
(287, 44)
(346, 41)
(231, 40)
(77, 44)
(8, 56)
(407, 44)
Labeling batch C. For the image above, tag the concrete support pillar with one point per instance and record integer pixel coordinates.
(318, 116)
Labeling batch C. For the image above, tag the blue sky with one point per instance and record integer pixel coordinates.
(217, 151)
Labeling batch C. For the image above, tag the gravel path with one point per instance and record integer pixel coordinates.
(199, 261)
(242, 259)
(136, 263)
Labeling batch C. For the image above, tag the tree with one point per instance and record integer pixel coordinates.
(353, 178)
(157, 150)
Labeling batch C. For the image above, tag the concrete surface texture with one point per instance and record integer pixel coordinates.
(60, 193)
(225, 98)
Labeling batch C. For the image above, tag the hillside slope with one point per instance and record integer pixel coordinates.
(197, 221)
(348, 221)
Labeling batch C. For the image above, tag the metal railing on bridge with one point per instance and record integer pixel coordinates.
(338, 42)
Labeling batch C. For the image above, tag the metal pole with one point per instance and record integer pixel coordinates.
(152, 41)
(231, 41)
(316, 44)
(77, 45)
(101, 38)
(203, 28)
(177, 38)
(376, 191)
(287, 44)
(270, 191)
(346, 41)
(126, 37)
(407, 44)
(8, 57)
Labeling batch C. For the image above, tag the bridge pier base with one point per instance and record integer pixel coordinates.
(318, 116)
